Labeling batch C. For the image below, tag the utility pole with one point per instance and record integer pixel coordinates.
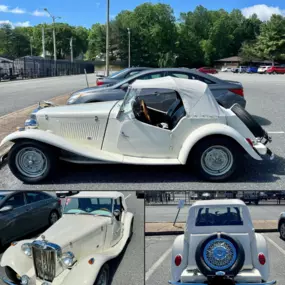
(53, 32)
(71, 49)
(129, 34)
(31, 45)
(107, 38)
(43, 41)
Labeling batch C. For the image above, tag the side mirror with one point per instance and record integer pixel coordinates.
(6, 209)
(125, 86)
(117, 213)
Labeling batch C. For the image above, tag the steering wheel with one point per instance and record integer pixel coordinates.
(145, 111)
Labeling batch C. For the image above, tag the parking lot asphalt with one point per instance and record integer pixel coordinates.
(127, 268)
(265, 101)
(158, 255)
(168, 213)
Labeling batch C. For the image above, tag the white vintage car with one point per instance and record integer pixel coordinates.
(220, 247)
(163, 121)
(95, 228)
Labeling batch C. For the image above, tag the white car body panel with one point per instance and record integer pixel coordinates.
(102, 238)
(186, 244)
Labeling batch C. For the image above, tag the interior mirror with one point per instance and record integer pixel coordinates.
(6, 209)
(125, 86)
(117, 213)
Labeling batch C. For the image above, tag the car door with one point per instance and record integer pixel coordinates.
(17, 221)
(40, 205)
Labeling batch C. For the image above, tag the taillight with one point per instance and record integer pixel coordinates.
(59, 202)
(178, 260)
(249, 141)
(261, 258)
(237, 91)
(99, 82)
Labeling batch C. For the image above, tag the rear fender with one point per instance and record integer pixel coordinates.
(210, 130)
(261, 247)
(179, 247)
(15, 258)
(83, 272)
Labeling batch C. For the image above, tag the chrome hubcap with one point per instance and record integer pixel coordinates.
(217, 160)
(282, 230)
(31, 162)
(53, 218)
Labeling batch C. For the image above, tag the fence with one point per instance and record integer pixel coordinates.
(36, 67)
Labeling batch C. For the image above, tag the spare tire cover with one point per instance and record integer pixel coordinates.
(248, 120)
(220, 252)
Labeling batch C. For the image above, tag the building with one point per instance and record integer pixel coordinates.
(236, 61)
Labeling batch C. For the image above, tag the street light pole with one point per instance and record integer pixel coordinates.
(43, 42)
(31, 45)
(71, 49)
(107, 38)
(129, 34)
(53, 32)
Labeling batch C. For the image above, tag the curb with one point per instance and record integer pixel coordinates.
(173, 233)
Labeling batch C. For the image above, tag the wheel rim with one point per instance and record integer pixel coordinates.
(103, 278)
(31, 162)
(282, 230)
(53, 218)
(217, 160)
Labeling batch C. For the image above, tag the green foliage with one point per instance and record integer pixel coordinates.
(158, 39)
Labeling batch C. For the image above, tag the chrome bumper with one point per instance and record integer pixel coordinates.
(266, 283)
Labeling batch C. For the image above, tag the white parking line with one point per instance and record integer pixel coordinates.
(157, 264)
(275, 244)
(128, 196)
(276, 132)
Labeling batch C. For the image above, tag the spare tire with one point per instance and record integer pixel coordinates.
(249, 121)
(220, 252)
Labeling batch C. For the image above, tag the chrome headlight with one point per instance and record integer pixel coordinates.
(68, 259)
(25, 280)
(27, 249)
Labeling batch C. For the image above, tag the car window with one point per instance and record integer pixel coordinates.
(132, 73)
(179, 75)
(219, 216)
(201, 78)
(151, 76)
(118, 204)
(16, 201)
(33, 197)
(2, 197)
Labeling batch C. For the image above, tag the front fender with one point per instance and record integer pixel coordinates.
(85, 273)
(180, 246)
(49, 138)
(214, 129)
(261, 247)
(16, 259)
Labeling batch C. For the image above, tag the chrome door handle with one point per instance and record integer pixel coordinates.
(124, 135)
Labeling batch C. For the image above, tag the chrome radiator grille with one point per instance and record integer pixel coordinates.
(80, 131)
(44, 262)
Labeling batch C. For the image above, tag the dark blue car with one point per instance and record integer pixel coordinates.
(252, 69)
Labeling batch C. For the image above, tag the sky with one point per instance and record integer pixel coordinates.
(87, 12)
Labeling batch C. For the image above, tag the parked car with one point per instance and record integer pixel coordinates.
(226, 69)
(281, 225)
(249, 196)
(240, 69)
(219, 246)
(120, 75)
(208, 70)
(140, 194)
(263, 196)
(163, 121)
(94, 229)
(276, 70)
(263, 69)
(227, 92)
(24, 212)
(252, 69)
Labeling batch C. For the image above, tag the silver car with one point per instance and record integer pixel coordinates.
(24, 212)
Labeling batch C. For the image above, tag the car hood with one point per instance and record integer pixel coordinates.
(73, 230)
(78, 110)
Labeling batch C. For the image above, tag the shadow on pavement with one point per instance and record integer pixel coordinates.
(251, 171)
(262, 121)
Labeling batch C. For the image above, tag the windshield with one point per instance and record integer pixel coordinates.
(89, 206)
(129, 99)
(219, 216)
(115, 74)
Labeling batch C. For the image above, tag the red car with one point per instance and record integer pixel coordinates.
(208, 70)
(276, 70)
